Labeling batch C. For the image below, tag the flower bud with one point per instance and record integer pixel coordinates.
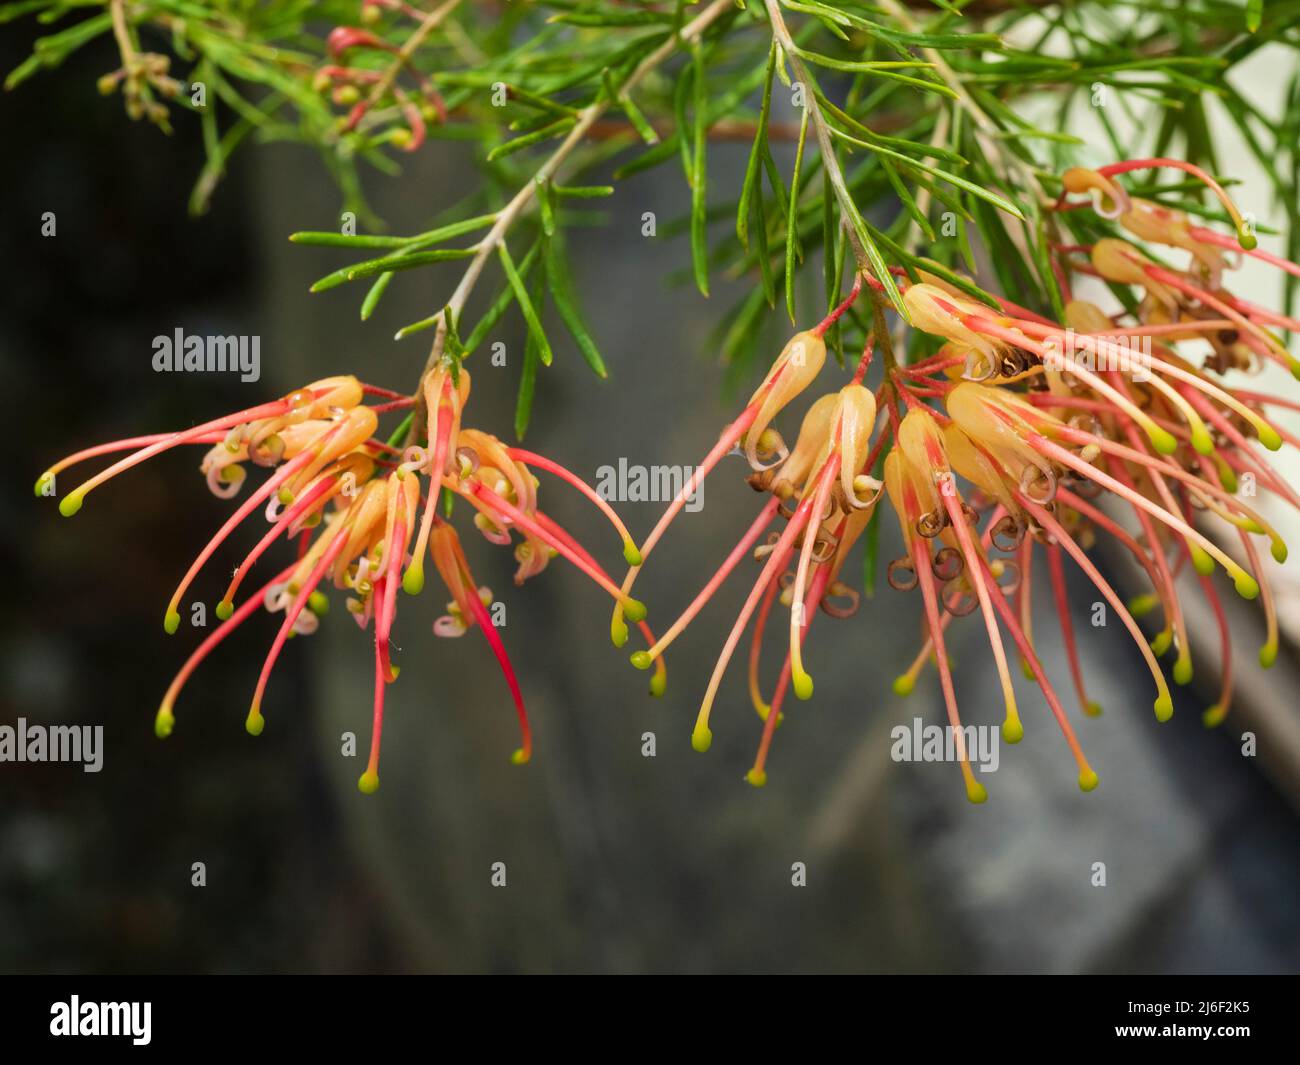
(794, 370)
(1108, 198)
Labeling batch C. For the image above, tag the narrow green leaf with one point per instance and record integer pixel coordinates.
(525, 304)
(583, 192)
(624, 100)
(561, 289)
(988, 195)
(495, 310)
(532, 353)
(545, 206)
(762, 252)
(399, 434)
(699, 179)
(547, 132)
(752, 169)
(389, 262)
(329, 239)
(23, 71)
(375, 294)
(908, 200)
(680, 92)
(878, 265)
(792, 228)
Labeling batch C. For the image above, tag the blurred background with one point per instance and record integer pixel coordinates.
(615, 862)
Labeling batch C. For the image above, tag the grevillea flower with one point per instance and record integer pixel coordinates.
(364, 515)
(999, 446)
(822, 490)
(365, 91)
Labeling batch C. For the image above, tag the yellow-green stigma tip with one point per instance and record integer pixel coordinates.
(1140, 605)
(701, 739)
(69, 505)
(1279, 551)
(1163, 441)
(1246, 239)
(1162, 642)
(1183, 671)
(368, 783)
(1294, 365)
(1093, 709)
(757, 777)
(224, 610)
(1228, 481)
(658, 684)
(318, 603)
(630, 553)
(1247, 587)
(1012, 730)
(254, 724)
(519, 757)
(634, 609)
(975, 792)
(617, 633)
(1213, 715)
(803, 685)
(1202, 561)
(163, 724)
(1164, 707)
(41, 482)
(1269, 437)
(642, 659)
(904, 684)
(1027, 669)
(285, 496)
(1088, 780)
(413, 580)
(1268, 655)
(1202, 442)
(171, 622)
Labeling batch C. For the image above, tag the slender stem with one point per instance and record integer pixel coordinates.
(586, 118)
(986, 131)
(431, 22)
(117, 9)
(781, 33)
(989, 133)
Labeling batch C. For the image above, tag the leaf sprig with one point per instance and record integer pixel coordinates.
(882, 137)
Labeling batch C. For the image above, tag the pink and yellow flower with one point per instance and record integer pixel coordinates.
(999, 445)
(364, 515)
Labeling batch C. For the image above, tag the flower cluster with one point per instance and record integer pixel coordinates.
(1012, 436)
(364, 513)
(999, 446)
(373, 95)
